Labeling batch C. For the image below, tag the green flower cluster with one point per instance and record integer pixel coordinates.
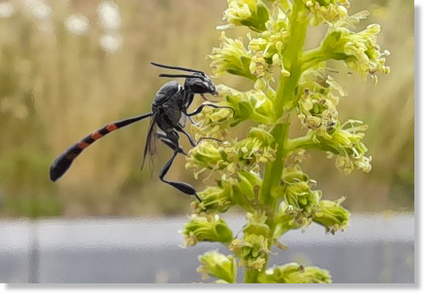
(261, 173)
(250, 13)
(359, 51)
(206, 228)
(218, 265)
(294, 273)
(326, 11)
(252, 249)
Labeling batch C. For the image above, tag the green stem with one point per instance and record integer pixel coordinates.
(251, 275)
(285, 92)
(312, 57)
(301, 142)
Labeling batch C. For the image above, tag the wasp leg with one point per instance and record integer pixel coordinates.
(184, 120)
(183, 187)
(198, 110)
(169, 143)
(209, 100)
(192, 142)
(192, 121)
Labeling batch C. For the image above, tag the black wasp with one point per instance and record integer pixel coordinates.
(168, 112)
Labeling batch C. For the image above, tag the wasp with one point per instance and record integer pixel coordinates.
(169, 112)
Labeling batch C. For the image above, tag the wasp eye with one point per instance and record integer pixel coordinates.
(199, 87)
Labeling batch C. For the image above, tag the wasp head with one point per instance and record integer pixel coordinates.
(196, 83)
(200, 83)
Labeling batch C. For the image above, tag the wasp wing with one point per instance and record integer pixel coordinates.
(150, 145)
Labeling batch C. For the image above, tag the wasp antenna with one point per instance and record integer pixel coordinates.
(177, 76)
(175, 67)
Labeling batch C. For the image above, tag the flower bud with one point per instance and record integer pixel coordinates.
(251, 251)
(253, 247)
(262, 134)
(213, 122)
(218, 198)
(299, 195)
(359, 50)
(332, 215)
(248, 183)
(346, 142)
(218, 265)
(251, 13)
(206, 228)
(288, 218)
(257, 224)
(251, 105)
(231, 57)
(295, 273)
(327, 11)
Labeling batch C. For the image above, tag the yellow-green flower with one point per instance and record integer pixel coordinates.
(332, 215)
(253, 248)
(231, 57)
(345, 141)
(229, 158)
(256, 224)
(251, 251)
(213, 123)
(255, 105)
(207, 228)
(360, 51)
(207, 155)
(296, 274)
(251, 13)
(326, 11)
(218, 265)
(217, 198)
(268, 46)
(299, 195)
(288, 218)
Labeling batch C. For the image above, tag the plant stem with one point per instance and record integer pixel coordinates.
(251, 275)
(312, 57)
(274, 171)
(301, 142)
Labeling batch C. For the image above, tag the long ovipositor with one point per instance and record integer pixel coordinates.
(61, 164)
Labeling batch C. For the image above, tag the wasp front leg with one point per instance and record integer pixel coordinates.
(201, 107)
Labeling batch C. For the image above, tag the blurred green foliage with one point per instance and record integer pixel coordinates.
(64, 72)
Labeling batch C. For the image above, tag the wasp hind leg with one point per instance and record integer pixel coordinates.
(169, 143)
(181, 186)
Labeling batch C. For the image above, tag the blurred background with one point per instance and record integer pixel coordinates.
(69, 67)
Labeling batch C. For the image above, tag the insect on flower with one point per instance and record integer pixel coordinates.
(168, 112)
